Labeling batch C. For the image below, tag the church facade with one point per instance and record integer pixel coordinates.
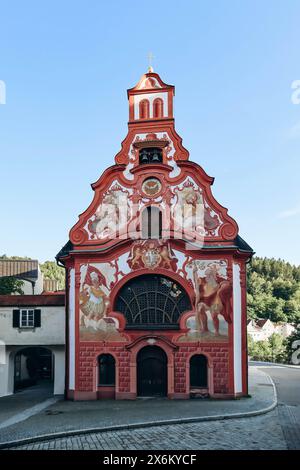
(156, 272)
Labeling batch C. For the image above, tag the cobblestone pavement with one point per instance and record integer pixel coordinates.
(289, 418)
(261, 432)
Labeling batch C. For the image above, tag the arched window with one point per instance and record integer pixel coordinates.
(107, 368)
(198, 371)
(144, 109)
(158, 108)
(151, 222)
(152, 302)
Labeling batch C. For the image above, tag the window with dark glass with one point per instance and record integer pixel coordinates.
(152, 301)
(107, 368)
(198, 371)
(151, 222)
(151, 155)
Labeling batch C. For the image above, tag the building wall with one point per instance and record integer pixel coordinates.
(51, 334)
(52, 330)
(226, 354)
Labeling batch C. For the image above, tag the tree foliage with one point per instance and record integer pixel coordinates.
(270, 350)
(51, 270)
(10, 285)
(273, 290)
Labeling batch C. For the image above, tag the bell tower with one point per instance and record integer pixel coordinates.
(151, 99)
(151, 134)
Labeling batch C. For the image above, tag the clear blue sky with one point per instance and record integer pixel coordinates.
(67, 65)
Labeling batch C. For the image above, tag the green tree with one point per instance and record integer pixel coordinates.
(51, 270)
(277, 348)
(10, 285)
(273, 290)
(259, 350)
(14, 257)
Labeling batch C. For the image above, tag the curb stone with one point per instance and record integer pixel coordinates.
(147, 424)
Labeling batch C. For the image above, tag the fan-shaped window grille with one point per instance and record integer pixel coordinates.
(151, 302)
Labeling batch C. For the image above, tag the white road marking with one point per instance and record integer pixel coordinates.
(28, 412)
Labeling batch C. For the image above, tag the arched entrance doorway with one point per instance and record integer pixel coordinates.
(152, 374)
(33, 366)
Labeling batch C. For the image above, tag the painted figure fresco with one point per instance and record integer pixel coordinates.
(112, 215)
(188, 211)
(95, 324)
(213, 302)
(191, 211)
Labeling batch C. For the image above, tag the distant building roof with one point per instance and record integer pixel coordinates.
(261, 322)
(50, 285)
(43, 300)
(21, 269)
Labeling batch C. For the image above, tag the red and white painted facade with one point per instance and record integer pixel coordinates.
(198, 252)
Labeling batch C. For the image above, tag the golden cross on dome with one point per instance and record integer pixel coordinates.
(150, 58)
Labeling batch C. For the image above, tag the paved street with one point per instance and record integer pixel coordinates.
(287, 382)
(278, 429)
(25, 403)
(263, 432)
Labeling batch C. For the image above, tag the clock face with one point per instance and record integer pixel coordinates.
(151, 187)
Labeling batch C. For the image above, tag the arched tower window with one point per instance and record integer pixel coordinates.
(107, 370)
(158, 108)
(144, 109)
(151, 222)
(198, 371)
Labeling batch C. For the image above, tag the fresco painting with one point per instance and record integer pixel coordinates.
(95, 323)
(213, 302)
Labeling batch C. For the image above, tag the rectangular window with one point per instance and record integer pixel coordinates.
(27, 318)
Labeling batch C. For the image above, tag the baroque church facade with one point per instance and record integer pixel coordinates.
(156, 272)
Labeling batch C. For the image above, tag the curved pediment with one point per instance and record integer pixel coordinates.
(189, 210)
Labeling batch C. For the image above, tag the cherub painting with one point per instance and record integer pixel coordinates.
(111, 215)
(192, 212)
(188, 211)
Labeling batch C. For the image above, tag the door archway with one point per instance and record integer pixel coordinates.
(33, 365)
(152, 376)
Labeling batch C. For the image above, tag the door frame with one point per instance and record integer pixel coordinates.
(210, 371)
(139, 363)
(150, 340)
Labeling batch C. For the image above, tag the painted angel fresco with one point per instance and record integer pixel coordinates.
(112, 215)
(188, 211)
(192, 213)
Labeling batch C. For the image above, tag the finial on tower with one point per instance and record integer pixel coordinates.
(150, 58)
